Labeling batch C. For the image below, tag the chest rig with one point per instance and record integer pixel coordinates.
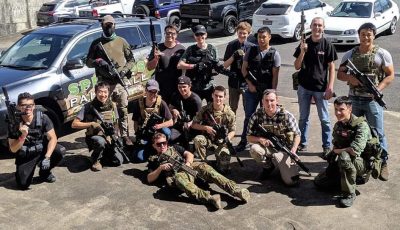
(35, 134)
(262, 66)
(278, 125)
(366, 64)
(107, 112)
(145, 113)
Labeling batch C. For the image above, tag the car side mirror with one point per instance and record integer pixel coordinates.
(73, 64)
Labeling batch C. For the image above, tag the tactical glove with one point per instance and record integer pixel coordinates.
(100, 62)
(201, 66)
(45, 163)
(238, 54)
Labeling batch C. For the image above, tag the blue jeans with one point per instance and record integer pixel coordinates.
(373, 112)
(304, 98)
(250, 106)
(141, 153)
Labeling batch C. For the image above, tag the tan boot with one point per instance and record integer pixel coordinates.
(384, 172)
(97, 166)
(215, 200)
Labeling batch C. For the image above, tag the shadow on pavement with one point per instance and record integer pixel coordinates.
(76, 163)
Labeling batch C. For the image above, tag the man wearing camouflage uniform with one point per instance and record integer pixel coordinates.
(280, 122)
(96, 138)
(377, 64)
(159, 165)
(223, 116)
(354, 151)
(121, 55)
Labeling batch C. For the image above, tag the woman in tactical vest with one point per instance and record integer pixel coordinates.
(34, 143)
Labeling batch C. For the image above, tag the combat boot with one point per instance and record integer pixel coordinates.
(97, 166)
(384, 172)
(242, 193)
(325, 153)
(215, 200)
(347, 201)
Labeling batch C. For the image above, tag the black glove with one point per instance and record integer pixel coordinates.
(109, 129)
(45, 163)
(200, 66)
(100, 62)
(122, 73)
(238, 54)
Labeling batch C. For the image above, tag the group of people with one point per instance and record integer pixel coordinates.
(171, 123)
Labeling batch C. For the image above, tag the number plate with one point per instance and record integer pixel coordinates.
(267, 22)
(195, 20)
(332, 39)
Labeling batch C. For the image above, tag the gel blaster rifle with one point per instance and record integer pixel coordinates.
(147, 130)
(113, 72)
(280, 145)
(13, 117)
(222, 134)
(109, 131)
(178, 166)
(367, 83)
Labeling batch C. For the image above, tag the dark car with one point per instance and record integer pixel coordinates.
(49, 63)
(167, 9)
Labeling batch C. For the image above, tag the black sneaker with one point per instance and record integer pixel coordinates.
(347, 201)
(241, 146)
(302, 148)
(49, 179)
(266, 172)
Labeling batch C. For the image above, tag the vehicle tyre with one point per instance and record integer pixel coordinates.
(297, 33)
(230, 23)
(55, 119)
(176, 21)
(392, 28)
(142, 9)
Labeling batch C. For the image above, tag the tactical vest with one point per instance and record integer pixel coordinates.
(146, 112)
(280, 128)
(366, 64)
(260, 66)
(200, 79)
(35, 134)
(108, 117)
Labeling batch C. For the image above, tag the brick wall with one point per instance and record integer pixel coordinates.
(18, 15)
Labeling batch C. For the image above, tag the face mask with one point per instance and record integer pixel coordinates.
(108, 30)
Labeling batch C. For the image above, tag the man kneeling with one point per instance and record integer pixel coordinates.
(99, 139)
(161, 164)
(356, 152)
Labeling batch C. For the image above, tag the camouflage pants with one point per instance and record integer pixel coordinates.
(120, 97)
(185, 182)
(282, 161)
(350, 167)
(222, 155)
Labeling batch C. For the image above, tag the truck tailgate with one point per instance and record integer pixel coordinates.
(195, 10)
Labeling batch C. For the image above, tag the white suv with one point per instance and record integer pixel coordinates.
(283, 16)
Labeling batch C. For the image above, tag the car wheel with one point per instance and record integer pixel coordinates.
(230, 23)
(176, 21)
(54, 118)
(142, 9)
(392, 28)
(297, 33)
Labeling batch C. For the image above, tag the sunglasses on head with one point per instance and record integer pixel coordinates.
(159, 144)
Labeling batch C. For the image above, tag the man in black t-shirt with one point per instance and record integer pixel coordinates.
(164, 60)
(142, 110)
(35, 143)
(189, 102)
(315, 58)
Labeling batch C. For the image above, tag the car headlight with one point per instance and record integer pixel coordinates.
(349, 32)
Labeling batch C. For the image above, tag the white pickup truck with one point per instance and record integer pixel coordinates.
(103, 7)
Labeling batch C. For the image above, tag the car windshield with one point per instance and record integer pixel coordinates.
(273, 9)
(353, 9)
(34, 51)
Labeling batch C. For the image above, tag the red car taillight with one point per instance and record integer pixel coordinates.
(95, 13)
(157, 14)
